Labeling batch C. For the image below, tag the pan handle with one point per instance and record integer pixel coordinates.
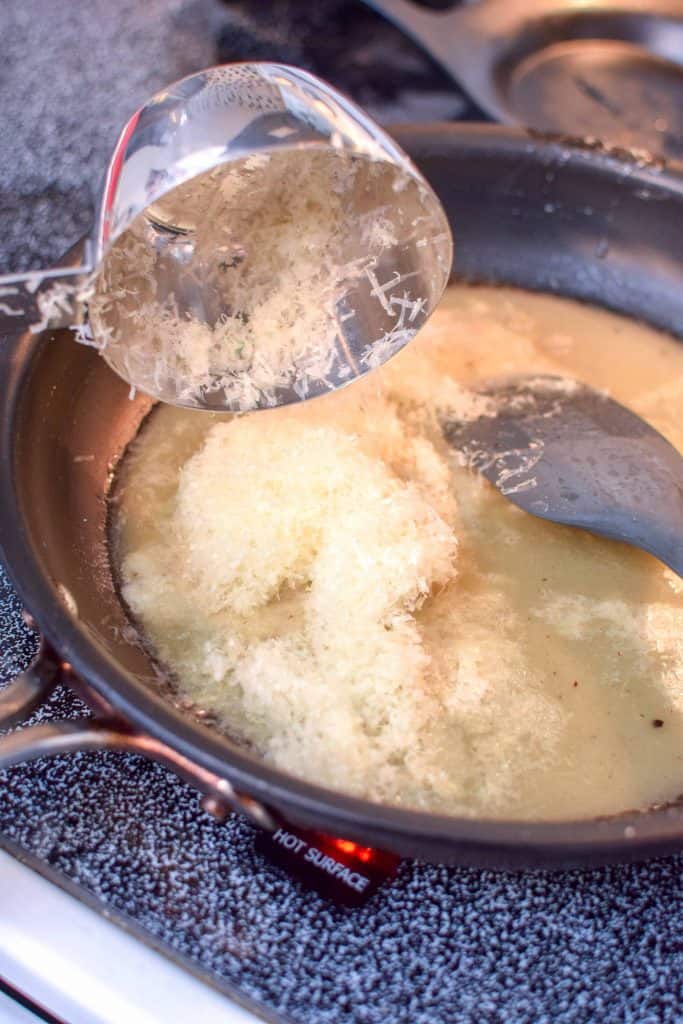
(436, 31)
(33, 686)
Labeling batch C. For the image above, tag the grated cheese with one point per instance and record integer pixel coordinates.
(237, 285)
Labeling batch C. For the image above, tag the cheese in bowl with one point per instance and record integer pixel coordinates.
(338, 593)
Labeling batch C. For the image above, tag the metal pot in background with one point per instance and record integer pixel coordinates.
(611, 69)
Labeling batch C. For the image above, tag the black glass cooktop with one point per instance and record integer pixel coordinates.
(437, 944)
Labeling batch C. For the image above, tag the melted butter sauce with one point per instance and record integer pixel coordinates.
(556, 656)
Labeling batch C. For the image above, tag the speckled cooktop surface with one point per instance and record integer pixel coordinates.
(437, 945)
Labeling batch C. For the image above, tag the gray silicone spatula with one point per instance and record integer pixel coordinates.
(565, 452)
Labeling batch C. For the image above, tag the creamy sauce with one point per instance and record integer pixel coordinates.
(541, 669)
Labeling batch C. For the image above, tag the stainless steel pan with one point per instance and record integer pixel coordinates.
(613, 237)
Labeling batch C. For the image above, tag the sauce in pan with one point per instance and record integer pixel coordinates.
(343, 597)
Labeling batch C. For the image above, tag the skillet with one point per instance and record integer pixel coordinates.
(547, 214)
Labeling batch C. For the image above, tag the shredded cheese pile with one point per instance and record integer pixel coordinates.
(307, 512)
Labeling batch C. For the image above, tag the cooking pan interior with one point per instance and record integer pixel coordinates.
(531, 213)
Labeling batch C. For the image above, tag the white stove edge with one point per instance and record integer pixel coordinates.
(12, 1013)
(86, 970)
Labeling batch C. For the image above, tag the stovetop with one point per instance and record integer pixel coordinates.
(437, 944)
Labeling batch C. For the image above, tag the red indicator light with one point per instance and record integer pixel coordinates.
(339, 868)
(362, 853)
